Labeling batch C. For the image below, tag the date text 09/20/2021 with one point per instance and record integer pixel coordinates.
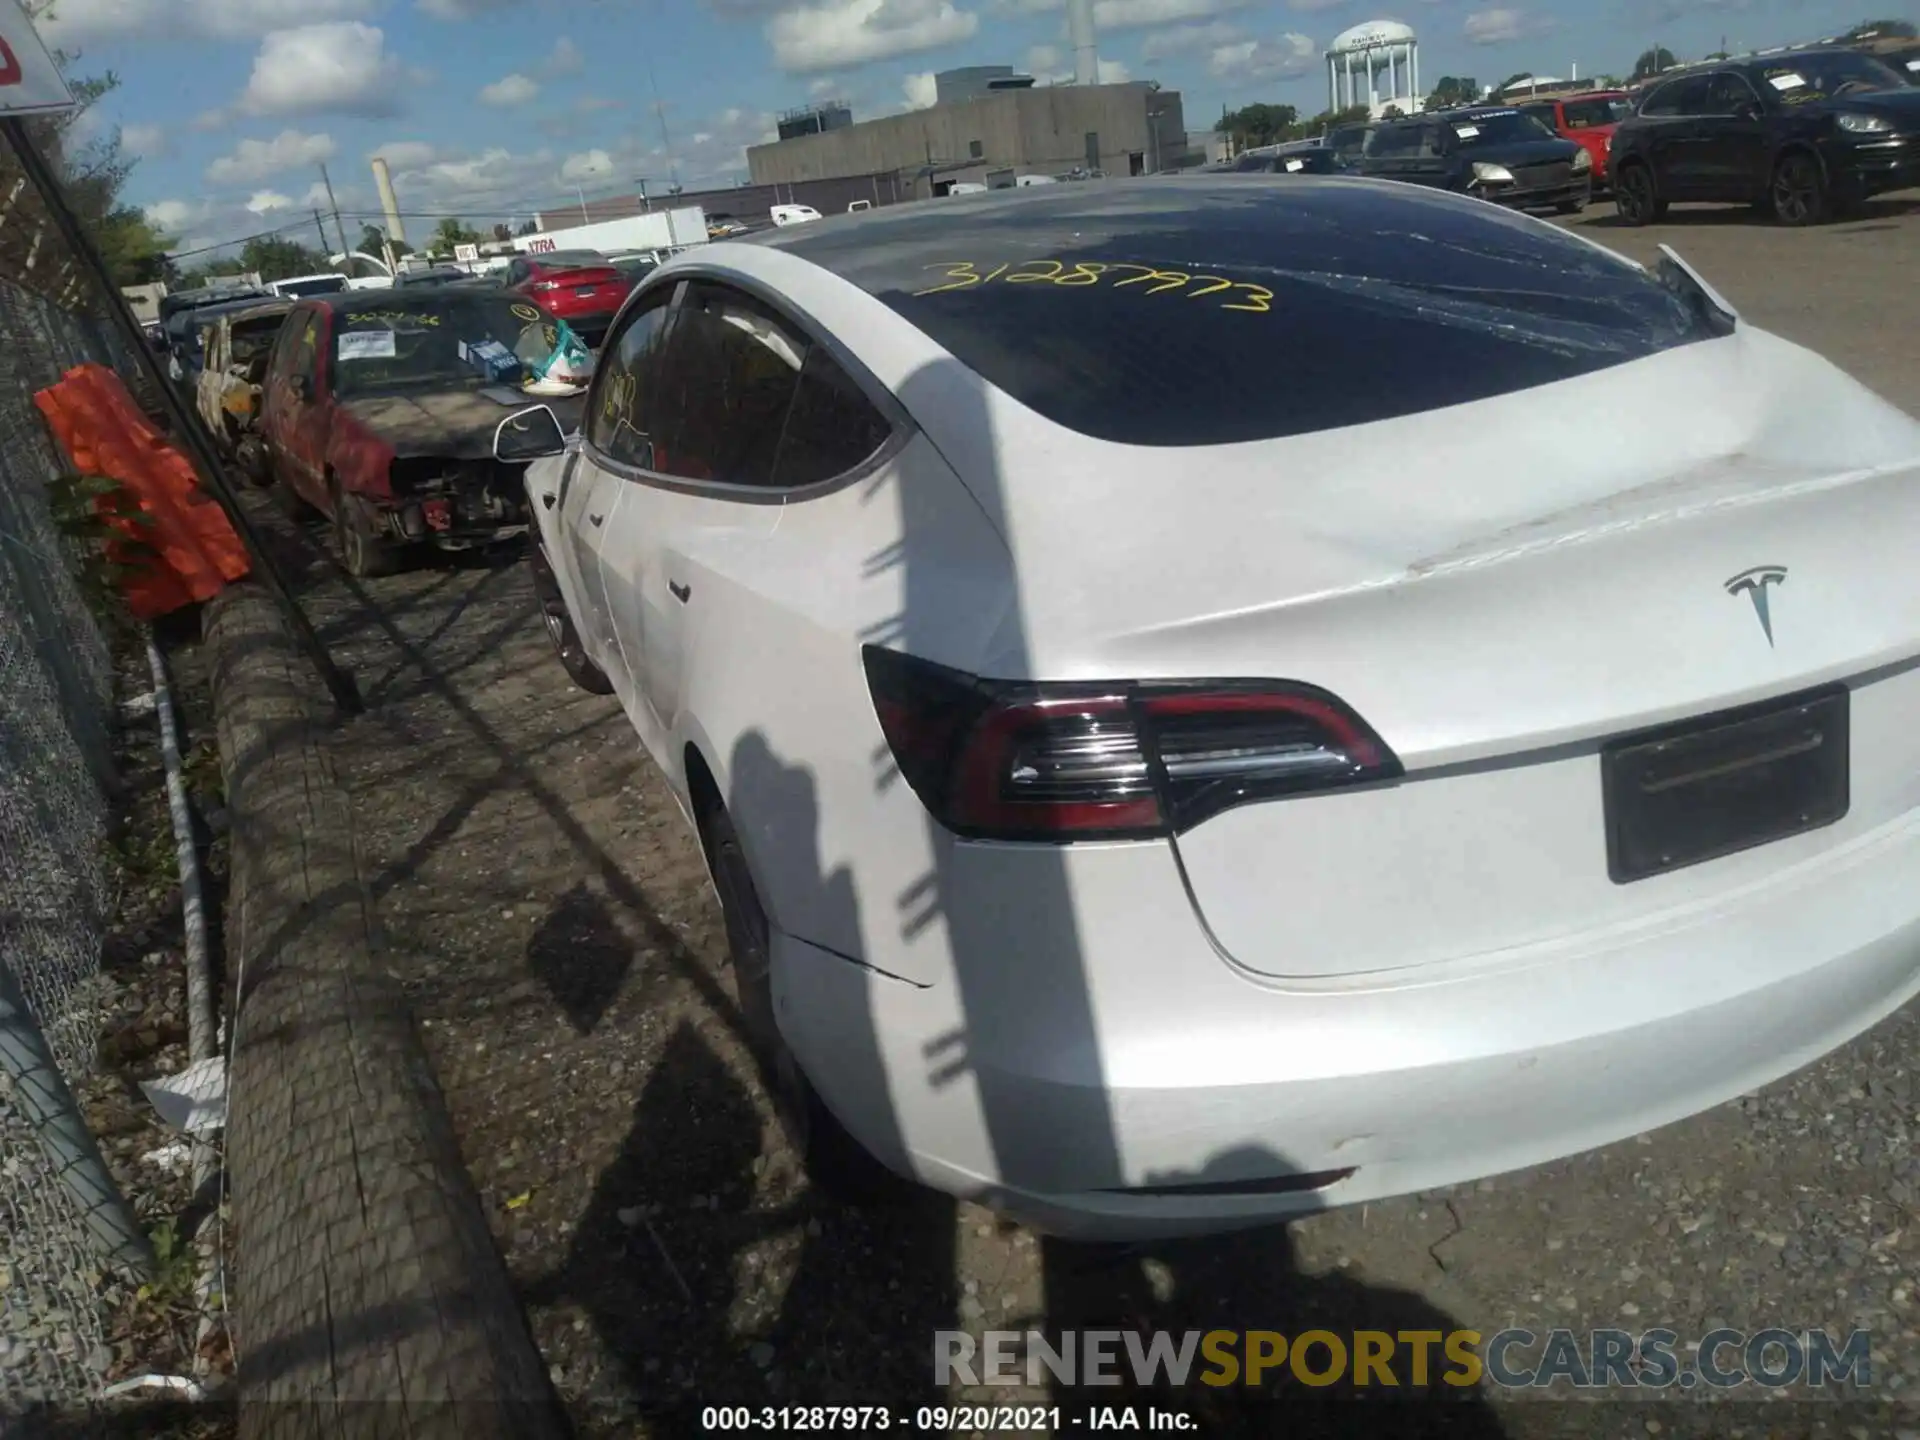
(946, 1419)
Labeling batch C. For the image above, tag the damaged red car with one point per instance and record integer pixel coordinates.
(380, 411)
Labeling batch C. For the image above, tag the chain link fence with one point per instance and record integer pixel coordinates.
(56, 698)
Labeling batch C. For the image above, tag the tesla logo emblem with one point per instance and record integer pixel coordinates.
(1756, 582)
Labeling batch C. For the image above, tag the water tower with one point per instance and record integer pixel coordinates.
(1376, 65)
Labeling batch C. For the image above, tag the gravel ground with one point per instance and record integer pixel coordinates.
(551, 919)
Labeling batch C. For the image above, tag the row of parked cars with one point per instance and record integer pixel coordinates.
(1802, 135)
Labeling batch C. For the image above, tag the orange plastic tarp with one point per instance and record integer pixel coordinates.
(194, 550)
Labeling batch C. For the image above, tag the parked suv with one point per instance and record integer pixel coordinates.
(1588, 120)
(1494, 152)
(1802, 135)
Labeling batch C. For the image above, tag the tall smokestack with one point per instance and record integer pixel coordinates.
(384, 182)
(1086, 59)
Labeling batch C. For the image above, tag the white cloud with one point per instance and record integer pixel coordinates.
(1497, 27)
(1131, 14)
(341, 67)
(1188, 39)
(1284, 58)
(1106, 72)
(463, 9)
(919, 90)
(170, 215)
(589, 165)
(261, 201)
(824, 87)
(509, 90)
(835, 33)
(1141, 14)
(78, 22)
(255, 160)
(1044, 59)
(404, 154)
(147, 141)
(565, 59)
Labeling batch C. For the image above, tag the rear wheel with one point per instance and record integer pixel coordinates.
(1799, 191)
(1634, 196)
(837, 1164)
(567, 646)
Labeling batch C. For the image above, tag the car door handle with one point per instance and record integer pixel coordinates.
(547, 500)
(682, 593)
(597, 519)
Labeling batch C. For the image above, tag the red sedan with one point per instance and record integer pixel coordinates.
(580, 286)
(1586, 119)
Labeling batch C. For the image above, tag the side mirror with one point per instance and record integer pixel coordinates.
(529, 435)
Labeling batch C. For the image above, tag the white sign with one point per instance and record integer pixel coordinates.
(466, 253)
(30, 82)
(1787, 82)
(540, 245)
(367, 345)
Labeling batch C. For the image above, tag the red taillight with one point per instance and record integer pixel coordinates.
(1018, 761)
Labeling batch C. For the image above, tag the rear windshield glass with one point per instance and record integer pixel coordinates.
(1503, 127)
(560, 259)
(1197, 312)
(321, 285)
(1585, 114)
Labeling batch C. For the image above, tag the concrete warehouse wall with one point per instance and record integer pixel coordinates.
(1031, 130)
(746, 203)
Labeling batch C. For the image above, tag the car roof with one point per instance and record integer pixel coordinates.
(1242, 211)
(352, 302)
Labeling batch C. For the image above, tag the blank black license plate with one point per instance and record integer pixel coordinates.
(583, 291)
(1711, 786)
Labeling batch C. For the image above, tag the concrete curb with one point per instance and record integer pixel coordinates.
(369, 1295)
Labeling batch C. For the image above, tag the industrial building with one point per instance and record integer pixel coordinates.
(814, 119)
(996, 126)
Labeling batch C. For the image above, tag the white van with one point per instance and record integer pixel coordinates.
(854, 207)
(793, 214)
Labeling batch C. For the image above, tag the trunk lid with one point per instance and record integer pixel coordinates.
(1494, 588)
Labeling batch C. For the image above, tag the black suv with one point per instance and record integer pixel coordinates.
(1300, 157)
(1803, 135)
(1494, 152)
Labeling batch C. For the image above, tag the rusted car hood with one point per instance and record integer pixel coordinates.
(454, 424)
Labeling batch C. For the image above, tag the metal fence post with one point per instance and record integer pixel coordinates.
(42, 1096)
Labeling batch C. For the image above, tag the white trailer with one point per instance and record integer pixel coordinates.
(663, 230)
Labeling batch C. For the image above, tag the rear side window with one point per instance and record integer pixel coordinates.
(1686, 96)
(832, 427)
(1235, 314)
(726, 383)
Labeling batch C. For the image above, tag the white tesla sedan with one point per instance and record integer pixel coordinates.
(1212, 699)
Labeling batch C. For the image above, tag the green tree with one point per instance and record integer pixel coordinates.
(1254, 125)
(1513, 79)
(276, 258)
(1882, 30)
(92, 169)
(1453, 90)
(452, 231)
(1653, 62)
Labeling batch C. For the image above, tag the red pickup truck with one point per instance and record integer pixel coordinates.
(1587, 119)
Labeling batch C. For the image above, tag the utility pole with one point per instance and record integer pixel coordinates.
(338, 228)
(323, 234)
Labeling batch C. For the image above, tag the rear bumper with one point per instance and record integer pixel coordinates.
(1075, 1057)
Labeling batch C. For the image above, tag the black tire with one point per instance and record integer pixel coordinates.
(1634, 196)
(837, 1164)
(363, 555)
(567, 646)
(1570, 207)
(1798, 191)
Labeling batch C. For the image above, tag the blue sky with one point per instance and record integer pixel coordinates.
(491, 109)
